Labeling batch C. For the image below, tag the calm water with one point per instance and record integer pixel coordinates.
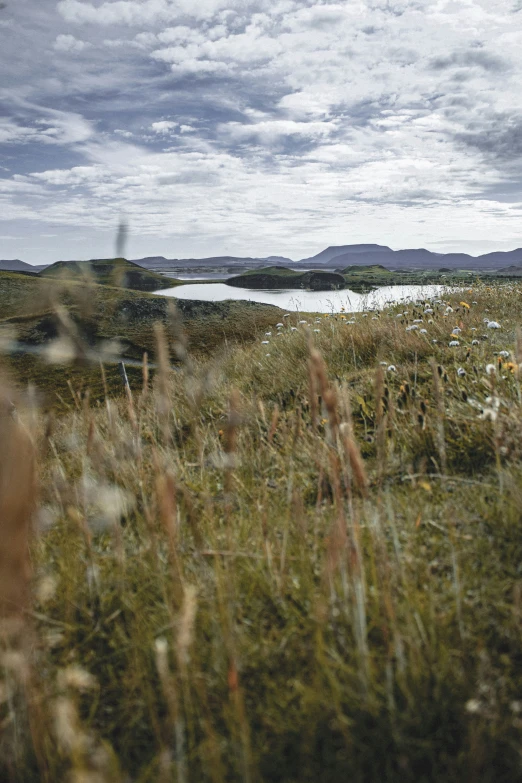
(307, 301)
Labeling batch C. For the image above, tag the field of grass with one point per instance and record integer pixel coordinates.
(38, 311)
(296, 559)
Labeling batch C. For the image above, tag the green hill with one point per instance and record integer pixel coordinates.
(279, 277)
(111, 271)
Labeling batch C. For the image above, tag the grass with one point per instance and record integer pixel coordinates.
(280, 563)
(106, 315)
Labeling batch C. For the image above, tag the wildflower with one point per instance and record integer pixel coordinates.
(302, 322)
(434, 341)
(493, 325)
(267, 354)
(317, 330)
(411, 328)
(286, 315)
(391, 368)
(279, 326)
(504, 354)
(511, 366)
(268, 334)
(418, 321)
(488, 414)
(473, 706)
(461, 372)
(454, 344)
(490, 369)
(343, 318)
(383, 364)
(423, 331)
(428, 311)
(475, 342)
(449, 309)
(265, 342)
(464, 304)
(77, 678)
(293, 328)
(456, 330)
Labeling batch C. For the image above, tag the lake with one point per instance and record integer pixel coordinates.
(307, 301)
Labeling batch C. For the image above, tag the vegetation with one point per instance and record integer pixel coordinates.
(39, 314)
(293, 561)
(111, 271)
(280, 277)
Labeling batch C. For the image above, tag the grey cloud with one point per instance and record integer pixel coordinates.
(500, 138)
(319, 109)
(474, 58)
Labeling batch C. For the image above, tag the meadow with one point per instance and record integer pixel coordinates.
(295, 557)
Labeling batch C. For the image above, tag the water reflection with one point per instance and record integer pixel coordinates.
(307, 301)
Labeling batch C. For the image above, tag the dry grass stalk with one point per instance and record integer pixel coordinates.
(145, 375)
(273, 423)
(162, 376)
(17, 503)
(439, 406)
(231, 437)
(355, 460)
(176, 727)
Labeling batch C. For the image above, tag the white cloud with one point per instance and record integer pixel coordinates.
(391, 118)
(164, 127)
(68, 43)
(273, 130)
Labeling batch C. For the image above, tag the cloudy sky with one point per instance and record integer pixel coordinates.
(259, 127)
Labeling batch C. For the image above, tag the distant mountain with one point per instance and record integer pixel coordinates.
(325, 256)
(419, 258)
(15, 265)
(156, 262)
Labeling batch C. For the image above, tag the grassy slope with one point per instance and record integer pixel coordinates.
(313, 624)
(114, 272)
(106, 313)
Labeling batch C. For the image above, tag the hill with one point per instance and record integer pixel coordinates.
(100, 314)
(280, 277)
(15, 265)
(111, 271)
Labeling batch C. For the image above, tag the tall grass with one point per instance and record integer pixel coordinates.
(290, 563)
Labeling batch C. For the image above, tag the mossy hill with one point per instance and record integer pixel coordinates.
(281, 277)
(116, 272)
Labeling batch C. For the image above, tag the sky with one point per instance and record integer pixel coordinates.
(258, 127)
